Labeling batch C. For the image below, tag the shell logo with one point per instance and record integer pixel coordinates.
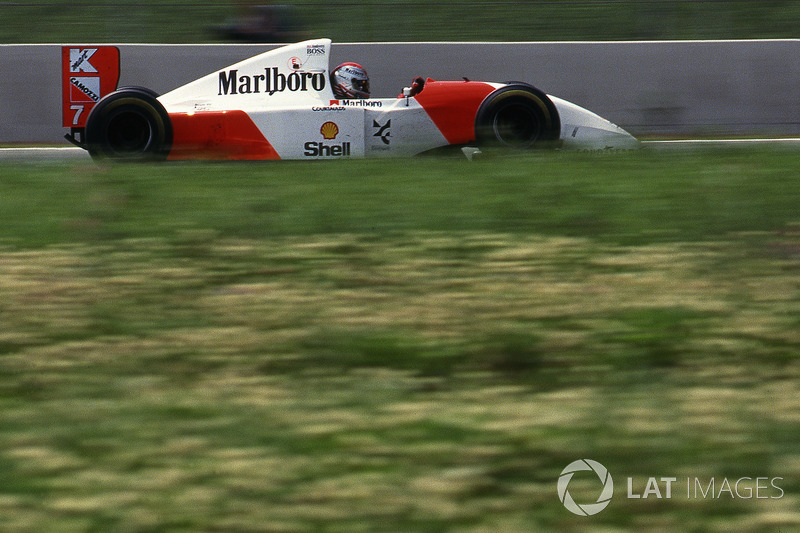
(329, 131)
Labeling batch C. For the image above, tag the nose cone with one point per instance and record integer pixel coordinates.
(626, 141)
(610, 137)
(583, 130)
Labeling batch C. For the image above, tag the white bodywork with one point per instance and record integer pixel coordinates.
(582, 129)
(287, 94)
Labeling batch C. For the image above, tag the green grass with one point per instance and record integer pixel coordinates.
(180, 21)
(628, 198)
(417, 345)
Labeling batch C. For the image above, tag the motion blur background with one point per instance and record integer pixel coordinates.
(183, 21)
(367, 345)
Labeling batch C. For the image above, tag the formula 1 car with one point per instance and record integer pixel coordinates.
(280, 105)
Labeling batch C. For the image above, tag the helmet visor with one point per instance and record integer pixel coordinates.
(361, 86)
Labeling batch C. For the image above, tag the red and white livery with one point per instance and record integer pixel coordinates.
(280, 105)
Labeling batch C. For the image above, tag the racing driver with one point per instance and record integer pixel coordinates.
(350, 80)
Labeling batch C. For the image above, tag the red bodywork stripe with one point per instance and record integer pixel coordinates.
(218, 135)
(452, 105)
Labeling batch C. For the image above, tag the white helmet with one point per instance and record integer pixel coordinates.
(350, 80)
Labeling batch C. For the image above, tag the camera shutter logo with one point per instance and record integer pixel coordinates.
(587, 509)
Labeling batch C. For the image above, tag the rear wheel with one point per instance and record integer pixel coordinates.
(129, 125)
(517, 116)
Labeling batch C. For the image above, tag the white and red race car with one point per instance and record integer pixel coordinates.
(280, 105)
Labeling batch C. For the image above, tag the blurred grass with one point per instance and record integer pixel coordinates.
(367, 345)
(181, 21)
(626, 198)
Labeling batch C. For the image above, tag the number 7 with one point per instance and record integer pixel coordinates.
(78, 110)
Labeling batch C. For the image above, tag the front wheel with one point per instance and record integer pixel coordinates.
(129, 125)
(517, 116)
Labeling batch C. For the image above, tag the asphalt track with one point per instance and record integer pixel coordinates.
(72, 153)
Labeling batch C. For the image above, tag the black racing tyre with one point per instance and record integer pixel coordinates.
(149, 91)
(130, 125)
(517, 116)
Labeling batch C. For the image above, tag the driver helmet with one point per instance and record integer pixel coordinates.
(350, 80)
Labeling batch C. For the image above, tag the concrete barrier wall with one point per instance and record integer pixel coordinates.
(672, 88)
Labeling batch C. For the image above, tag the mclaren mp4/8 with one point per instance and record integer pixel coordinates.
(281, 105)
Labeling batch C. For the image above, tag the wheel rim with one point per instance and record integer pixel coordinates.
(516, 125)
(129, 132)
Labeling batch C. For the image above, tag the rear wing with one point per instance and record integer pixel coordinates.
(87, 74)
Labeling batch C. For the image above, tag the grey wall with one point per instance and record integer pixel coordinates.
(673, 88)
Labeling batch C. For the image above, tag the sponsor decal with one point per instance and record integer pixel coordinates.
(87, 74)
(357, 103)
(79, 60)
(328, 108)
(315, 149)
(84, 89)
(294, 63)
(384, 131)
(329, 131)
(315, 50)
(271, 82)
